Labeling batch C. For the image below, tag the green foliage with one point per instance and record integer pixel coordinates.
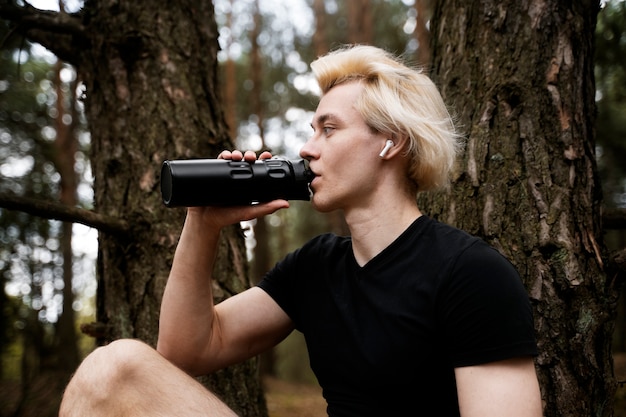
(611, 50)
(25, 258)
(288, 93)
(610, 73)
(31, 260)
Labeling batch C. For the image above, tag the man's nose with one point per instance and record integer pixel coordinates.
(306, 152)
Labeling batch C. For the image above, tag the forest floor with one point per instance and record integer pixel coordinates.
(288, 399)
(619, 366)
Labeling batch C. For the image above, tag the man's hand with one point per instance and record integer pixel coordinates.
(219, 217)
(248, 156)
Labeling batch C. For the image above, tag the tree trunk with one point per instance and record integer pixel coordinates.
(261, 262)
(65, 147)
(320, 41)
(360, 25)
(230, 82)
(151, 77)
(520, 76)
(423, 10)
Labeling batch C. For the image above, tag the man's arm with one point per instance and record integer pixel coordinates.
(504, 388)
(193, 333)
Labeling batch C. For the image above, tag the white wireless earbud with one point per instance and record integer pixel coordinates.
(388, 145)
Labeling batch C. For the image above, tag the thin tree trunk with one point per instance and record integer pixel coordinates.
(520, 75)
(422, 34)
(261, 262)
(65, 147)
(320, 42)
(360, 24)
(261, 250)
(230, 83)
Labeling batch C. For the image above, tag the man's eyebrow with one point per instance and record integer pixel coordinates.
(322, 118)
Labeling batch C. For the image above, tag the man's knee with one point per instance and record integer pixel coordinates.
(115, 361)
(103, 374)
(123, 354)
(128, 378)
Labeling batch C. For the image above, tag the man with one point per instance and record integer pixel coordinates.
(406, 317)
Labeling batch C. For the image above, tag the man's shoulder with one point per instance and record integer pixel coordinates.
(441, 236)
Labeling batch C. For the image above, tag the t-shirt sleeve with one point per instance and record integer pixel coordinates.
(288, 283)
(485, 311)
(279, 283)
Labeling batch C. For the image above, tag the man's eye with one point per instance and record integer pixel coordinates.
(327, 129)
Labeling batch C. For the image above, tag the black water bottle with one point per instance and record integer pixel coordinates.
(221, 182)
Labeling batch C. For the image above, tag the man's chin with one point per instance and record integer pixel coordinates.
(321, 205)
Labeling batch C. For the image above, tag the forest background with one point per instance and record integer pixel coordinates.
(47, 267)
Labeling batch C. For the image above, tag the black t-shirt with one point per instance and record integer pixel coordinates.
(384, 339)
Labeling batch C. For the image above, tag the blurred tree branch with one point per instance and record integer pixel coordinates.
(56, 211)
(59, 32)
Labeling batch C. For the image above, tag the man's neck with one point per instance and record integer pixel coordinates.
(374, 228)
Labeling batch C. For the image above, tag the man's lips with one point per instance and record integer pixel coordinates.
(315, 179)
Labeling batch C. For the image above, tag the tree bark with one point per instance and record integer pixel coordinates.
(520, 75)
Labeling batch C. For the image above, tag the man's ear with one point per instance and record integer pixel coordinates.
(388, 145)
(393, 146)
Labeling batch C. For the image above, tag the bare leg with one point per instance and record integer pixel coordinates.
(129, 378)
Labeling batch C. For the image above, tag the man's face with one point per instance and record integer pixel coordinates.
(343, 151)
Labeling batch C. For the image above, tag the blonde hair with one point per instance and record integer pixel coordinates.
(399, 101)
